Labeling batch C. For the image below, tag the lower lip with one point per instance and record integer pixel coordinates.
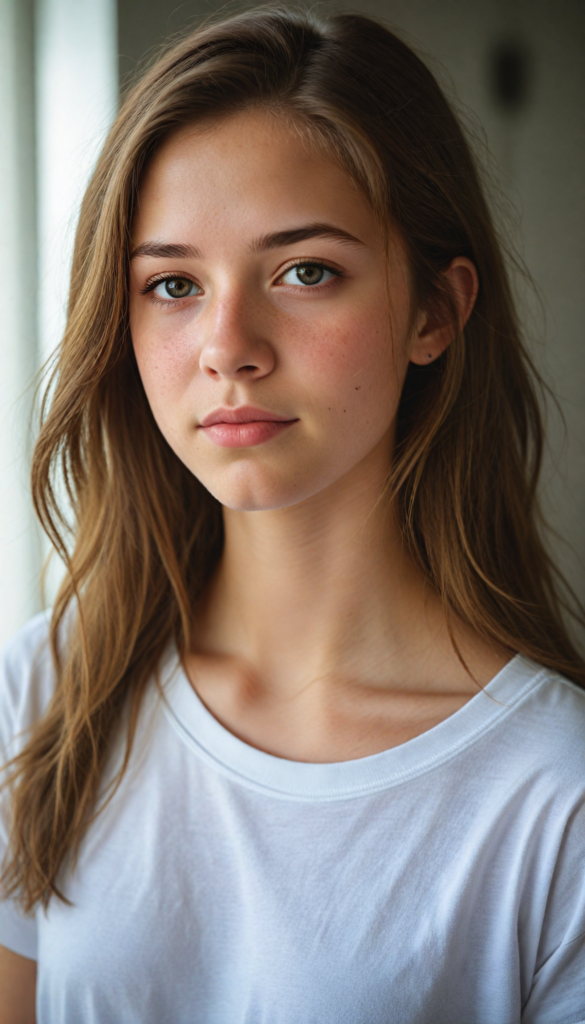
(245, 435)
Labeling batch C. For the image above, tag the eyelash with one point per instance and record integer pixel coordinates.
(154, 281)
(151, 285)
(311, 263)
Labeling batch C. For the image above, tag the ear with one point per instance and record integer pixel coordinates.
(432, 335)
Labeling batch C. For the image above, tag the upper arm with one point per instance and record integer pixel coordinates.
(18, 982)
(25, 689)
(558, 991)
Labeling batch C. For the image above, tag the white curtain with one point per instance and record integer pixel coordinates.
(58, 95)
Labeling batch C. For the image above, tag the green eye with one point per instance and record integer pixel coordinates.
(310, 275)
(176, 288)
(307, 274)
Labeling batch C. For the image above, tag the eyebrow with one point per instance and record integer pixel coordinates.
(275, 240)
(279, 239)
(165, 251)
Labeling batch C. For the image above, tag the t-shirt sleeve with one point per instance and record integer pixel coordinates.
(17, 932)
(557, 995)
(26, 684)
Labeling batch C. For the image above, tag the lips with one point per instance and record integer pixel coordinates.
(244, 427)
(243, 414)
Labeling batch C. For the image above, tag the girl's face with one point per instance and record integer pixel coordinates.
(260, 292)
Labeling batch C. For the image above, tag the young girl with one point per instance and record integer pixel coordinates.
(302, 739)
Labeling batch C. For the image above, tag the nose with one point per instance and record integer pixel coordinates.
(234, 347)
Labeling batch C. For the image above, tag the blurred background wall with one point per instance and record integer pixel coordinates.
(515, 69)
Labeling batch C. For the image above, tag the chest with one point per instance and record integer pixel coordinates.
(199, 900)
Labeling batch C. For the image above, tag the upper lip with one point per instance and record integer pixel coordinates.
(243, 414)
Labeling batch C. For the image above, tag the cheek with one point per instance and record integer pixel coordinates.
(166, 363)
(358, 366)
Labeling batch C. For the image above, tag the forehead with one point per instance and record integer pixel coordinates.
(248, 173)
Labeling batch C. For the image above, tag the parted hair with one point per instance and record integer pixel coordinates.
(146, 535)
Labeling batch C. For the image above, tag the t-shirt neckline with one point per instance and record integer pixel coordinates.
(230, 756)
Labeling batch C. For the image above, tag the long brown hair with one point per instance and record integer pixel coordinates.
(147, 536)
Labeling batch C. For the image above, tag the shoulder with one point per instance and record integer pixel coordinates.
(544, 727)
(549, 737)
(557, 707)
(26, 680)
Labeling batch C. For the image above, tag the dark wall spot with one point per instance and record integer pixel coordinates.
(510, 74)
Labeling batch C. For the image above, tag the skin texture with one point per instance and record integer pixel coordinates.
(318, 639)
(17, 988)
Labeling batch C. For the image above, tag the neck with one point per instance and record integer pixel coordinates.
(320, 590)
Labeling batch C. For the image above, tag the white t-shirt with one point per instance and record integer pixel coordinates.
(441, 881)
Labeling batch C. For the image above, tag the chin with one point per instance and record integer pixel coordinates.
(256, 492)
(253, 499)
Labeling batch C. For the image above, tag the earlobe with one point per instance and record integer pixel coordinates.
(431, 337)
